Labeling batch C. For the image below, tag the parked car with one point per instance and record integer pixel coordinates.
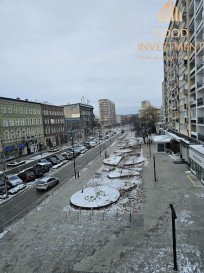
(92, 144)
(45, 161)
(45, 168)
(16, 163)
(3, 187)
(46, 182)
(67, 155)
(13, 180)
(81, 148)
(53, 160)
(59, 157)
(87, 145)
(53, 150)
(27, 176)
(38, 170)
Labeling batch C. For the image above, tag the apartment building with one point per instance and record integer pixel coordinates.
(183, 86)
(107, 113)
(21, 127)
(54, 124)
(79, 119)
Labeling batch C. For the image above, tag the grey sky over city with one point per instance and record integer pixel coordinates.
(59, 51)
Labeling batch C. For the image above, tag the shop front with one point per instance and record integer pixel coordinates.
(196, 155)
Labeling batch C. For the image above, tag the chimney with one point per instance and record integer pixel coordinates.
(18, 98)
(26, 99)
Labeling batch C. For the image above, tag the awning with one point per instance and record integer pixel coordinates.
(161, 139)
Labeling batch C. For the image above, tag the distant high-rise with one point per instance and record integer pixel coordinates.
(107, 113)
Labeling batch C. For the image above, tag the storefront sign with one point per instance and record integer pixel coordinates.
(197, 158)
(9, 148)
(21, 145)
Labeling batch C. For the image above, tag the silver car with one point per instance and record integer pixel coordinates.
(46, 182)
(13, 180)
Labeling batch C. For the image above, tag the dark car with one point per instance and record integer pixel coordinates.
(45, 168)
(53, 160)
(38, 170)
(87, 145)
(67, 155)
(27, 176)
(59, 157)
(3, 187)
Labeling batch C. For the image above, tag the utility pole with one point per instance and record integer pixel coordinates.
(99, 142)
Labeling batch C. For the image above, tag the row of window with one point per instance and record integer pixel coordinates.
(19, 110)
(15, 134)
(21, 122)
(53, 113)
(54, 121)
(53, 130)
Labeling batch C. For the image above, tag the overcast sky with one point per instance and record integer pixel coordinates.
(61, 50)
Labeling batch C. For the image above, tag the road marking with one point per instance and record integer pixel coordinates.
(193, 182)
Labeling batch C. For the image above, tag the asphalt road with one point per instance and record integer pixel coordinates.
(25, 201)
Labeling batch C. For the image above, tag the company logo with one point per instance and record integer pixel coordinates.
(175, 16)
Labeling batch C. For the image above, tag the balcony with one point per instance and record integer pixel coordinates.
(200, 102)
(200, 65)
(200, 84)
(200, 26)
(200, 120)
(200, 137)
(199, 8)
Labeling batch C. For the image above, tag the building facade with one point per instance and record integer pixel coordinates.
(107, 113)
(54, 124)
(183, 86)
(79, 119)
(21, 127)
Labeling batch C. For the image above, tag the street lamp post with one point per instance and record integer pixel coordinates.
(73, 154)
(99, 142)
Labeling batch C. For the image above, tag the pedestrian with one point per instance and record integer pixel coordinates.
(105, 155)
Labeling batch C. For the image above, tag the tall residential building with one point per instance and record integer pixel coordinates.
(21, 127)
(183, 86)
(107, 113)
(53, 121)
(79, 119)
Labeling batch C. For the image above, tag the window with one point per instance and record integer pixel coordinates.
(39, 121)
(34, 111)
(21, 110)
(22, 121)
(23, 133)
(6, 133)
(32, 132)
(40, 130)
(9, 109)
(26, 121)
(12, 134)
(46, 131)
(25, 110)
(18, 133)
(15, 110)
(17, 122)
(31, 121)
(5, 123)
(11, 122)
(35, 121)
(30, 111)
(38, 111)
(36, 131)
(28, 132)
(3, 109)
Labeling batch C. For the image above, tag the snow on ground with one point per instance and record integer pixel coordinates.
(200, 195)
(184, 216)
(113, 160)
(3, 233)
(17, 189)
(123, 151)
(95, 197)
(117, 173)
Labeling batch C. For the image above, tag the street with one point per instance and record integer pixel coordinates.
(26, 200)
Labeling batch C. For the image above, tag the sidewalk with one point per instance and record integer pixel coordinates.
(54, 239)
